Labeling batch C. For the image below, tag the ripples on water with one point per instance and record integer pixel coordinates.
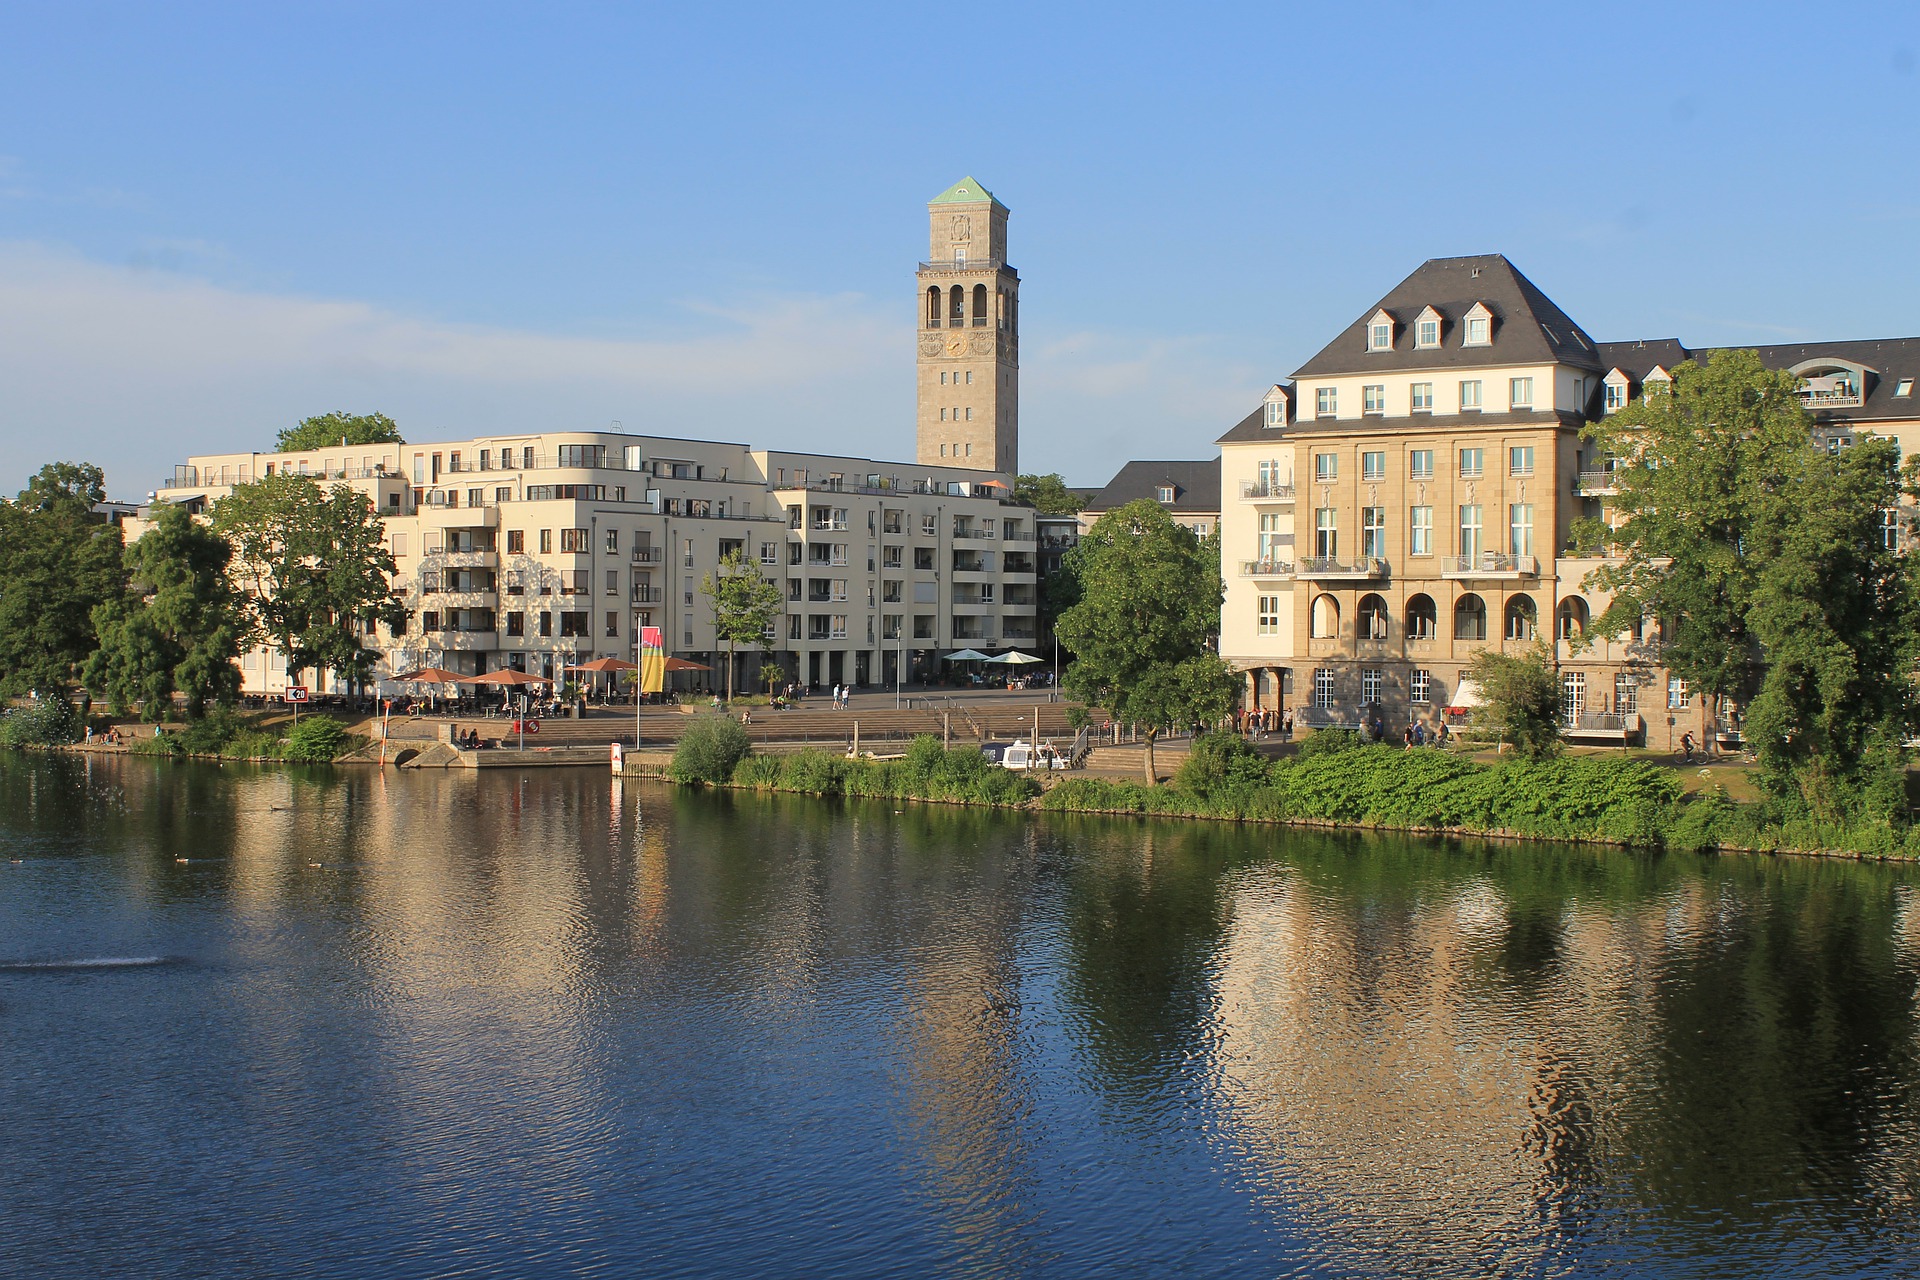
(516, 1026)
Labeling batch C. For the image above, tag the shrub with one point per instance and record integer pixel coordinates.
(1222, 761)
(709, 749)
(316, 740)
(1325, 742)
(48, 722)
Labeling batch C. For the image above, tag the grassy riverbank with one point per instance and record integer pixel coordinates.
(1331, 782)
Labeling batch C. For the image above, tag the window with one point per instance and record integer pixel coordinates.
(573, 541)
(613, 625)
(1470, 618)
(476, 497)
(1276, 413)
(1323, 688)
(1373, 532)
(1421, 686)
(546, 624)
(1422, 619)
(1373, 466)
(1570, 622)
(1520, 392)
(1326, 401)
(1420, 531)
(686, 553)
(1269, 616)
(582, 455)
(1272, 536)
(1520, 460)
(613, 541)
(613, 582)
(1520, 528)
(1890, 530)
(1325, 622)
(1472, 462)
(546, 542)
(1166, 493)
(1678, 697)
(1371, 681)
(1476, 331)
(1326, 533)
(923, 557)
(769, 553)
(1626, 693)
(1427, 334)
(400, 544)
(502, 493)
(1422, 397)
(1373, 617)
(1470, 394)
(1521, 615)
(1616, 397)
(1470, 531)
(1380, 336)
(1326, 467)
(1420, 464)
(1904, 387)
(1373, 398)
(516, 622)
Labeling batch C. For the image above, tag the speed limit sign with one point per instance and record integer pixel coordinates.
(295, 693)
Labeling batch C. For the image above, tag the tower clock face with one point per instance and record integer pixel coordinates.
(956, 345)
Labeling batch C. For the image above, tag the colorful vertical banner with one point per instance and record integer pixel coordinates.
(653, 660)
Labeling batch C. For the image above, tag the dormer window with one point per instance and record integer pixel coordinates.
(1657, 381)
(1166, 493)
(1614, 396)
(1426, 329)
(1479, 327)
(1380, 332)
(1276, 408)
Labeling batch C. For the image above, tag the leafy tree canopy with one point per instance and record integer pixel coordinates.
(329, 429)
(1522, 699)
(316, 568)
(1048, 494)
(1149, 606)
(58, 561)
(745, 604)
(181, 627)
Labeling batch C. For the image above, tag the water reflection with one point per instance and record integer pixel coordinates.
(546, 1024)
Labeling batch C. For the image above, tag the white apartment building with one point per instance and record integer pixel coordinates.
(543, 550)
(1407, 498)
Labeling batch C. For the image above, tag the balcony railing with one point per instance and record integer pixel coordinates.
(648, 595)
(1594, 482)
(964, 264)
(649, 555)
(1365, 568)
(1490, 564)
(1261, 491)
(975, 533)
(1266, 568)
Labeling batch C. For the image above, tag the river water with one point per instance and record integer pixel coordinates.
(540, 1025)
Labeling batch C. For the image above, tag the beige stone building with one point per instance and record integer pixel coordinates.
(1407, 499)
(543, 549)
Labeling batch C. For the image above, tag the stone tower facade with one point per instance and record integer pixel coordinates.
(969, 353)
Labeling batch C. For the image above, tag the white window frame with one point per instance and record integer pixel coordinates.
(1373, 532)
(1520, 460)
(1520, 528)
(1420, 688)
(1379, 335)
(1373, 464)
(1414, 469)
(1267, 616)
(1470, 394)
(1420, 530)
(1326, 402)
(1326, 468)
(1373, 683)
(1478, 332)
(1426, 333)
(1520, 393)
(1323, 688)
(1420, 397)
(1373, 397)
(1478, 467)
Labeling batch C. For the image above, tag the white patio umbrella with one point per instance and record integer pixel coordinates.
(966, 655)
(1016, 659)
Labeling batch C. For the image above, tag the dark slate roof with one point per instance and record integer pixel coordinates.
(1893, 359)
(1253, 427)
(1527, 327)
(1196, 486)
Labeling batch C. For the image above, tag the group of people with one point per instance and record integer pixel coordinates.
(467, 740)
(1417, 734)
(1258, 722)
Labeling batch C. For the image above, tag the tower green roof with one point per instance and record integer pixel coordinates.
(966, 191)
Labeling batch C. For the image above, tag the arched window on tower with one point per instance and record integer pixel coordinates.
(957, 306)
(979, 305)
(1373, 617)
(1521, 616)
(933, 306)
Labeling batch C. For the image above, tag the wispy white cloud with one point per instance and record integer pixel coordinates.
(136, 367)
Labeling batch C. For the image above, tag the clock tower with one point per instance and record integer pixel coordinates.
(969, 354)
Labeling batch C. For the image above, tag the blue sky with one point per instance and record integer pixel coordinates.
(703, 220)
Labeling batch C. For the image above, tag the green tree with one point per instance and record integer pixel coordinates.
(1834, 609)
(1149, 605)
(1522, 699)
(1048, 494)
(329, 429)
(771, 674)
(744, 604)
(58, 562)
(181, 626)
(316, 569)
(1692, 467)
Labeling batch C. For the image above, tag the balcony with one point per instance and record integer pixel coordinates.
(1012, 632)
(1595, 726)
(466, 641)
(1328, 569)
(1261, 491)
(1494, 566)
(1017, 537)
(478, 559)
(1266, 568)
(648, 595)
(975, 533)
(649, 555)
(962, 264)
(1595, 484)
